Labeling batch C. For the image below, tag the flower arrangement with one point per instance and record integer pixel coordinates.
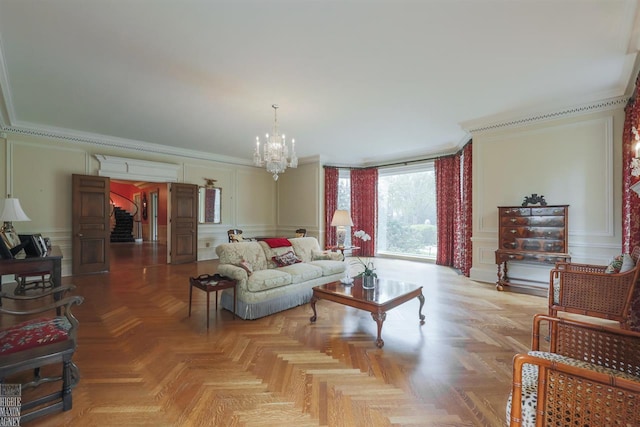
(360, 234)
(369, 269)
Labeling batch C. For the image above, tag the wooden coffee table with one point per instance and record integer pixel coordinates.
(386, 295)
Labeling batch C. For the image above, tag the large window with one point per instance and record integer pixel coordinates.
(407, 211)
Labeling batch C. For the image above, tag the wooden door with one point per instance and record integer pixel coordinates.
(90, 224)
(183, 221)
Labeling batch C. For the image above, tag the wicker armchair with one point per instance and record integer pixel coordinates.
(586, 289)
(28, 346)
(589, 377)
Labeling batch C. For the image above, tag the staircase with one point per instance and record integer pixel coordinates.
(123, 228)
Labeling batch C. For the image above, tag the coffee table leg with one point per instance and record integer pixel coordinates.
(420, 315)
(379, 318)
(313, 305)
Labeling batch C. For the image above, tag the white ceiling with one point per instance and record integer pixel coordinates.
(358, 82)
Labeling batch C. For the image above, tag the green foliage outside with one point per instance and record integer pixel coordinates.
(411, 239)
(407, 214)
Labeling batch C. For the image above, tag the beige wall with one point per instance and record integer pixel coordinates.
(574, 161)
(301, 200)
(38, 172)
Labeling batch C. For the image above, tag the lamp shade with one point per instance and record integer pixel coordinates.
(341, 218)
(13, 211)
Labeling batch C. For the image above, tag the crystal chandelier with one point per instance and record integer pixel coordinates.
(275, 151)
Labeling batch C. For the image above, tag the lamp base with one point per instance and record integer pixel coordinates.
(7, 227)
(341, 235)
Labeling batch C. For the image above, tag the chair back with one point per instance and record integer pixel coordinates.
(235, 235)
(591, 291)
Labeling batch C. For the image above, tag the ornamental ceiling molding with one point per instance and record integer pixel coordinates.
(115, 142)
(495, 123)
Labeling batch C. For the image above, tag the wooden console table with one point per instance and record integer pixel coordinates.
(51, 262)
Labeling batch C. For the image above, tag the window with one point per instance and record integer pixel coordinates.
(407, 211)
(344, 197)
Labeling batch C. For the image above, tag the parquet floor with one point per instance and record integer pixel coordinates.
(145, 362)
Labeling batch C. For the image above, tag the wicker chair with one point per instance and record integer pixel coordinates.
(586, 289)
(589, 377)
(37, 342)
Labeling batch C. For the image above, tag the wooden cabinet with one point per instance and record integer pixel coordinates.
(531, 234)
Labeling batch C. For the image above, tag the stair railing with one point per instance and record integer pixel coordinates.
(123, 202)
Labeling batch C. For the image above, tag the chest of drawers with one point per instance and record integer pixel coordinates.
(535, 234)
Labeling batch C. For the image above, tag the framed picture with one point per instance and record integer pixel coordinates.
(11, 239)
(32, 244)
(43, 244)
(13, 243)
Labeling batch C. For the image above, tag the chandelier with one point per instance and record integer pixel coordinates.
(275, 151)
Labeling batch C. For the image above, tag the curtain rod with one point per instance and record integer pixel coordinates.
(406, 162)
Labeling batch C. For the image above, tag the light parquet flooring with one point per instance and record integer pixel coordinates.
(143, 361)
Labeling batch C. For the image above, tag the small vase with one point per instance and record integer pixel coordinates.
(368, 282)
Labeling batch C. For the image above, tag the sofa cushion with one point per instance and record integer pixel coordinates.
(268, 279)
(301, 272)
(620, 264)
(329, 267)
(318, 255)
(246, 267)
(303, 247)
(269, 253)
(235, 253)
(287, 258)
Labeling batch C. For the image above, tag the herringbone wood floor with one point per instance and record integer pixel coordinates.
(145, 362)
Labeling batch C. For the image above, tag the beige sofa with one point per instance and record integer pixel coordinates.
(264, 287)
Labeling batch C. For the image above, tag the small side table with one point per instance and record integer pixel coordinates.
(212, 283)
(342, 248)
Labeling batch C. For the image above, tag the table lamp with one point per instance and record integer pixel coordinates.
(12, 212)
(341, 219)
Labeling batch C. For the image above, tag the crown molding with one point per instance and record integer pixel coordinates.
(492, 123)
(30, 129)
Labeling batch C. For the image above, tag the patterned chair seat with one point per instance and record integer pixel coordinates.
(530, 382)
(34, 333)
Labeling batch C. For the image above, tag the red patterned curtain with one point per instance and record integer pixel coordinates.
(364, 206)
(447, 198)
(331, 176)
(463, 257)
(630, 199)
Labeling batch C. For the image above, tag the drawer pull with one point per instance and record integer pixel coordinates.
(513, 220)
(513, 231)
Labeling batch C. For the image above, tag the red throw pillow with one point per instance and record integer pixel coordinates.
(285, 259)
(277, 242)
